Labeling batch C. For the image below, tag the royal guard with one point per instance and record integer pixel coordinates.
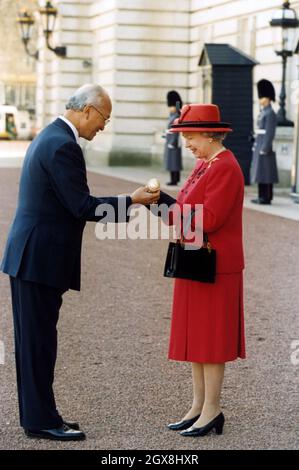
(264, 166)
(173, 151)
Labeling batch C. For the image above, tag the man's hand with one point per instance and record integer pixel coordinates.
(142, 196)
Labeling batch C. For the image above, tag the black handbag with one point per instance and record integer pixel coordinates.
(193, 264)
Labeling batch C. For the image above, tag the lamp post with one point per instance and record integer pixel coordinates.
(295, 165)
(284, 21)
(48, 14)
(26, 22)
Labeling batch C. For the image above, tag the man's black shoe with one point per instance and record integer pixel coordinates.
(72, 425)
(64, 433)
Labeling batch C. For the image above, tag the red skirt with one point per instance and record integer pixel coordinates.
(208, 320)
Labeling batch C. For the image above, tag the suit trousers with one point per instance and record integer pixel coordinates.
(35, 313)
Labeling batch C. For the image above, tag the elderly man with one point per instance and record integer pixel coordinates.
(43, 251)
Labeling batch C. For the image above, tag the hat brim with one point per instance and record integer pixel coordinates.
(200, 129)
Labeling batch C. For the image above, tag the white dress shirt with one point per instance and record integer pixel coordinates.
(71, 125)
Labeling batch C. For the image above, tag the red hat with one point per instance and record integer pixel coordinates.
(200, 118)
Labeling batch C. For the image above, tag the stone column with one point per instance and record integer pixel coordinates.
(140, 52)
(136, 49)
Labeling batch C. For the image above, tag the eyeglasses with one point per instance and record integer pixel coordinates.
(101, 114)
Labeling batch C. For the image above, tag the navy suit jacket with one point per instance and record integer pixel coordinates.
(44, 242)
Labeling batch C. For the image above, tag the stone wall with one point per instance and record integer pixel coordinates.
(57, 77)
(17, 70)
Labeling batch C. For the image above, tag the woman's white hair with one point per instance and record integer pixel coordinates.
(220, 136)
(86, 95)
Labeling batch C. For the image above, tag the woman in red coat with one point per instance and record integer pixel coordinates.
(207, 327)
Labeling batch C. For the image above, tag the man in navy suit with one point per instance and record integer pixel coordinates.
(43, 251)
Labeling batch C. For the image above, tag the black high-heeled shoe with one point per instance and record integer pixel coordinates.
(184, 424)
(216, 424)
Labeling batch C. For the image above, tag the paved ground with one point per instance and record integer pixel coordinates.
(112, 372)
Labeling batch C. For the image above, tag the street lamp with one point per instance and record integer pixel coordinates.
(26, 22)
(284, 18)
(295, 166)
(48, 14)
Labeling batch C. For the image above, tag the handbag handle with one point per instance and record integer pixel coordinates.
(205, 235)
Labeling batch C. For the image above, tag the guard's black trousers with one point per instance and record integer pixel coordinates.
(35, 312)
(265, 191)
(175, 177)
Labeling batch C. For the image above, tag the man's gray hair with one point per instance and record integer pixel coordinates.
(86, 95)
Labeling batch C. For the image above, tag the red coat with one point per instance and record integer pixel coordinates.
(221, 191)
(208, 319)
